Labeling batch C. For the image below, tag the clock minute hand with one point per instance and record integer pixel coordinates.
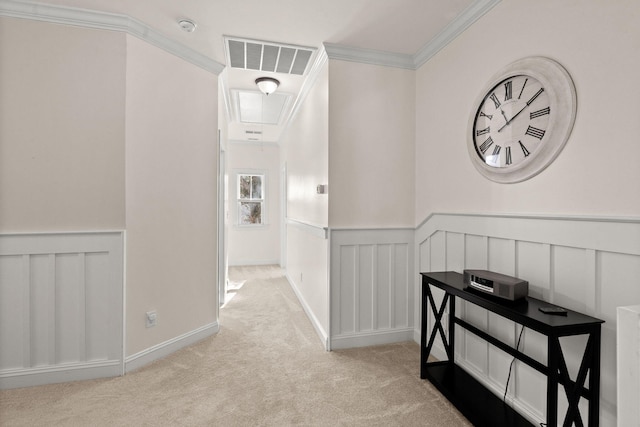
(533, 98)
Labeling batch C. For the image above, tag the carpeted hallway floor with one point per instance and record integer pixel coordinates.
(266, 367)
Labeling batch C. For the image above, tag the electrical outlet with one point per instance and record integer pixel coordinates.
(152, 318)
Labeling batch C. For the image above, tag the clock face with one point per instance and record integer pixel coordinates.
(521, 120)
(511, 122)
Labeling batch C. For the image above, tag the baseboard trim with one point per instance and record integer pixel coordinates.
(151, 354)
(29, 377)
(312, 317)
(366, 339)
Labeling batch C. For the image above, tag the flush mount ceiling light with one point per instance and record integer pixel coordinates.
(267, 85)
(187, 25)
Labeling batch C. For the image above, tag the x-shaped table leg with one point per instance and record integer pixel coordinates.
(437, 326)
(573, 390)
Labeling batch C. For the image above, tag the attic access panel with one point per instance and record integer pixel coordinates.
(254, 107)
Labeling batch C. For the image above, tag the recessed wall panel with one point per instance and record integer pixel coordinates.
(12, 328)
(619, 282)
(42, 290)
(366, 287)
(530, 388)
(476, 252)
(533, 264)
(401, 291)
(385, 286)
(98, 316)
(534, 344)
(503, 329)
(69, 325)
(476, 351)
(424, 260)
(438, 246)
(502, 256)
(348, 257)
(569, 279)
(455, 252)
(499, 363)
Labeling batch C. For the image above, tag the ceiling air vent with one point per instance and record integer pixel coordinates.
(267, 56)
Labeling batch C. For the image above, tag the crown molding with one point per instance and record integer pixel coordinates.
(106, 21)
(412, 62)
(369, 56)
(456, 27)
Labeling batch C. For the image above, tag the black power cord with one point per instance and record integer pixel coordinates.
(506, 387)
(504, 398)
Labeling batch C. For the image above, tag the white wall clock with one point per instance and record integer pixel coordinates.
(522, 120)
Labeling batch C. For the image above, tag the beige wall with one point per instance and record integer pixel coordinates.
(62, 125)
(171, 188)
(305, 152)
(371, 145)
(598, 172)
(249, 245)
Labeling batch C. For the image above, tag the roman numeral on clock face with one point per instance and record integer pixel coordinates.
(485, 145)
(534, 114)
(482, 131)
(537, 94)
(495, 100)
(535, 132)
(496, 150)
(507, 155)
(507, 90)
(523, 85)
(482, 114)
(524, 149)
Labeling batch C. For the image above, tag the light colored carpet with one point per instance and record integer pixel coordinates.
(266, 367)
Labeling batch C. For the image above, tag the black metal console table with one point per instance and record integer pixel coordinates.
(478, 404)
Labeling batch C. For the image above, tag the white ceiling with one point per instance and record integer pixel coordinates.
(396, 26)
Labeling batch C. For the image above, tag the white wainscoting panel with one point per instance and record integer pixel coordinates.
(371, 287)
(629, 365)
(307, 272)
(61, 307)
(589, 265)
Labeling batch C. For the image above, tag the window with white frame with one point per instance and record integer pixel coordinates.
(251, 199)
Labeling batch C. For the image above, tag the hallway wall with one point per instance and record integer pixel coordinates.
(304, 151)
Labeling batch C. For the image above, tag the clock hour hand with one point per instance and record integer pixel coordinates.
(510, 120)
